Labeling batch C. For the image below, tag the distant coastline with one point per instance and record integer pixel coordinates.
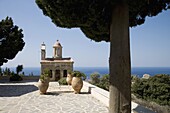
(138, 71)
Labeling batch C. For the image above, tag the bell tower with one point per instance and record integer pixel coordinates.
(43, 52)
(57, 50)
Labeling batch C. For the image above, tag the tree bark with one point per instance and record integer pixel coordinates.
(120, 67)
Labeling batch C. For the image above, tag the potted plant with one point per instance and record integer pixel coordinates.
(77, 82)
(69, 77)
(43, 82)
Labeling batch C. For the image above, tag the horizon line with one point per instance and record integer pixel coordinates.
(100, 67)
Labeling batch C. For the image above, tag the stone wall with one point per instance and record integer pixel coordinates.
(25, 78)
(57, 65)
(103, 96)
(97, 92)
(53, 66)
(4, 78)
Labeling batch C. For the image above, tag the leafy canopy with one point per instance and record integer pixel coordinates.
(11, 40)
(19, 68)
(156, 88)
(94, 16)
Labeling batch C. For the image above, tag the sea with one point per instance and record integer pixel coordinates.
(138, 71)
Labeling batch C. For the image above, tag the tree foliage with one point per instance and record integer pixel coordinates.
(11, 40)
(7, 72)
(107, 20)
(95, 78)
(156, 88)
(78, 74)
(15, 77)
(19, 68)
(1, 71)
(62, 81)
(100, 81)
(104, 82)
(94, 16)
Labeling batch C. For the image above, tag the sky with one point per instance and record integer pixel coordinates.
(150, 42)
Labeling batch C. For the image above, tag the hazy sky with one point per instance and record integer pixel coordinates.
(150, 42)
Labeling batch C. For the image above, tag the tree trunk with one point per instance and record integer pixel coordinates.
(120, 68)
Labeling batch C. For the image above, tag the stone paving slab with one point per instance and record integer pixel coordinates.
(25, 98)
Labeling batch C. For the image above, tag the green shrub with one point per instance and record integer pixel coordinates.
(47, 72)
(156, 89)
(15, 77)
(22, 74)
(104, 82)
(95, 78)
(78, 74)
(133, 78)
(62, 81)
(1, 71)
(7, 72)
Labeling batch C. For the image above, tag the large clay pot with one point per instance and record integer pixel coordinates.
(69, 79)
(77, 84)
(43, 86)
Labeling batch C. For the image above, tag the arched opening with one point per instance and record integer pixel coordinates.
(50, 73)
(65, 73)
(57, 75)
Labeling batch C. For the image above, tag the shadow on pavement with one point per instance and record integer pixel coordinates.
(64, 92)
(141, 109)
(52, 93)
(85, 93)
(23, 81)
(16, 90)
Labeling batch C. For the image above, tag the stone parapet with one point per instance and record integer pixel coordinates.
(103, 96)
(97, 92)
(26, 78)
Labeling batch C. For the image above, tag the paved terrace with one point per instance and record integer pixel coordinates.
(24, 97)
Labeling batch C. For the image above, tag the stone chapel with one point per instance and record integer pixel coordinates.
(57, 65)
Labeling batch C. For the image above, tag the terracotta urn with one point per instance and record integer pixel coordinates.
(43, 86)
(77, 84)
(69, 79)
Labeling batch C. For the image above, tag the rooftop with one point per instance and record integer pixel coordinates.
(57, 44)
(58, 60)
